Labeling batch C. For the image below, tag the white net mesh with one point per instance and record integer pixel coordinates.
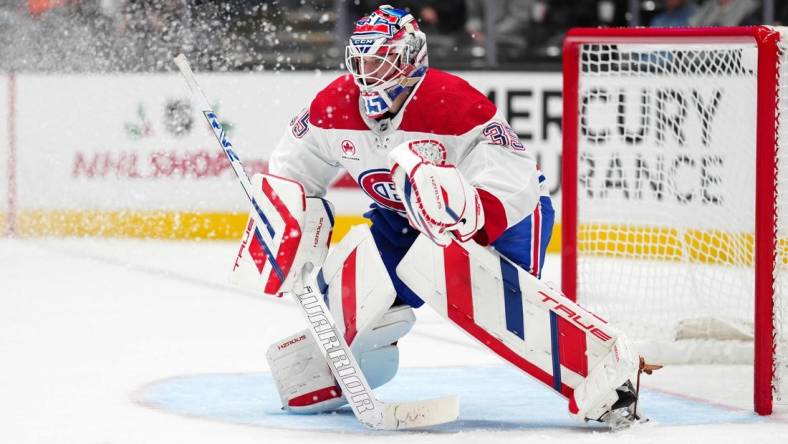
(666, 186)
(781, 259)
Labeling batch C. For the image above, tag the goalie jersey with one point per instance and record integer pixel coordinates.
(334, 133)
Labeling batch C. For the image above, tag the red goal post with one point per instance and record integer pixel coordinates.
(642, 63)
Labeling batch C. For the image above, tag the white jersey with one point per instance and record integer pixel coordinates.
(334, 134)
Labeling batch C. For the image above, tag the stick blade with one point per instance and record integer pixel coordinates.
(415, 414)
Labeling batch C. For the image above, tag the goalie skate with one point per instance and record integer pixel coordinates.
(624, 412)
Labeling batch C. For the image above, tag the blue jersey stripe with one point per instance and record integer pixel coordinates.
(554, 339)
(512, 299)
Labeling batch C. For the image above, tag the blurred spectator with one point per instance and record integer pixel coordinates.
(439, 16)
(781, 18)
(444, 23)
(152, 32)
(510, 18)
(566, 14)
(38, 7)
(727, 13)
(677, 14)
(143, 35)
(551, 19)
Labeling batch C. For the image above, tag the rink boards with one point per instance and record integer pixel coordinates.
(128, 155)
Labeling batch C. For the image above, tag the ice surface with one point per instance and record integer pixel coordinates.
(493, 398)
(87, 326)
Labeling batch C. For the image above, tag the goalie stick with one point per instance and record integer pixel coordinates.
(368, 410)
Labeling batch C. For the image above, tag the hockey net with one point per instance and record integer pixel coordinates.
(671, 148)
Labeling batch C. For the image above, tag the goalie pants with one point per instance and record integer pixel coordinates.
(524, 243)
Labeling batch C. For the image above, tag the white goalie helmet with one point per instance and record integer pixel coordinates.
(387, 53)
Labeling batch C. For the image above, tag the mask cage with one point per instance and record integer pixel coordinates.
(375, 69)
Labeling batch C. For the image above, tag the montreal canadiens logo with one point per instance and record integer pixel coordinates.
(379, 186)
(348, 149)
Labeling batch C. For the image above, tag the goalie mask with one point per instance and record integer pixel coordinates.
(387, 54)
